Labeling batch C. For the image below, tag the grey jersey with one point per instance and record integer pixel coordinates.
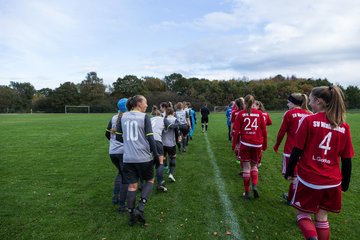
(168, 137)
(135, 127)
(115, 146)
(157, 124)
(181, 116)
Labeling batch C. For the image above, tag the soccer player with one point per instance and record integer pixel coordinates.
(237, 107)
(204, 117)
(228, 118)
(259, 105)
(253, 138)
(136, 133)
(158, 126)
(192, 115)
(298, 108)
(183, 118)
(116, 152)
(321, 140)
(169, 141)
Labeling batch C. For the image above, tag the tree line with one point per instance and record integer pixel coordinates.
(273, 92)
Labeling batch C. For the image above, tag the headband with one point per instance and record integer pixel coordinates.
(294, 100)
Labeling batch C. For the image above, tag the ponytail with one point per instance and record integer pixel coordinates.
(305, 100)
(249, 101)
(333, 101)
(133, 101)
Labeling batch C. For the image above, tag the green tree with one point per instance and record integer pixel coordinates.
(25, 92)
(92, 89)
(66, 94)
(352, 96)
(153, 84)
(8, 99)
(172, 79)
(128, 86)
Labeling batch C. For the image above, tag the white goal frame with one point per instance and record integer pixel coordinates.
(78, 106)
(220, 108)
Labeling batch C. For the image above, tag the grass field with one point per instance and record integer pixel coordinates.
(56, 182)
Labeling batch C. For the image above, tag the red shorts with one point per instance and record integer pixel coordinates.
(311, 200)
(249, 154)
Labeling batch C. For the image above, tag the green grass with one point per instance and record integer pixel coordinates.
(56, 182)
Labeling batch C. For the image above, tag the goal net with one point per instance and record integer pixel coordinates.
(220, 108)
(77, 109)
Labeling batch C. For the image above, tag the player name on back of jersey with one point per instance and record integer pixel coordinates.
(299, 115)
(250, 115)
(322, 160)
(328, 126)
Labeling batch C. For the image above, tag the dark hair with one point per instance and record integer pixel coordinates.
(333, 100)
(155, 111)
(169, 111)
(249, 101)
(165, 104)
(133, 101)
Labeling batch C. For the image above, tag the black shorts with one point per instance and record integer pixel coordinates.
(204, 119)
(184, 129)
(159, 148)
(171, 151)
(135, 171)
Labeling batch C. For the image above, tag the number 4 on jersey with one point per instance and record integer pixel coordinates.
(325, 143)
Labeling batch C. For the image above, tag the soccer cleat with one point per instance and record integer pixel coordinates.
(140, 216)
(246, 195)
(171, 177)
(132, 218)
(161, 188)
(116, 199)
(256, 193)
(259, 165)
(122, 209)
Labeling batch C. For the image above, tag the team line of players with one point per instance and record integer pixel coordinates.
(138, 142)
(315, 145)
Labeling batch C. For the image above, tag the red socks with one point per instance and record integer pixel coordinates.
(246, 179)
(306, 226)
(323, 230)
(254, 176)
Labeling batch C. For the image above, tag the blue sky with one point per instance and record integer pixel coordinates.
(48, 42)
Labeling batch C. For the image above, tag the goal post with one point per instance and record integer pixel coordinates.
(77, 109)
(220, 108)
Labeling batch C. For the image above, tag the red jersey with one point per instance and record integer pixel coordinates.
(267, 118)
(252, 129)
(289, 125)
(322, 148)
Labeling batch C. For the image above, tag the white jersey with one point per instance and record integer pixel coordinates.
(115, 147)
(158, 126)
(181, 116)
(168, 136)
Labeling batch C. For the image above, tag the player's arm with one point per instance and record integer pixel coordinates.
(107, 132)
(236, 129)
(264, 133)
(119, 132)
(150, 136)
(268, 120)
(346, 173)
(281, 133)
(294, 158)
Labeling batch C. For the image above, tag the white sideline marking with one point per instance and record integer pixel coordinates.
(234, 225)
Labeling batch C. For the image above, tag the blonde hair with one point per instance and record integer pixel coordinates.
(179, 106)
(333, 100)
(260, 106)
(303, 98)
(249, 101)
